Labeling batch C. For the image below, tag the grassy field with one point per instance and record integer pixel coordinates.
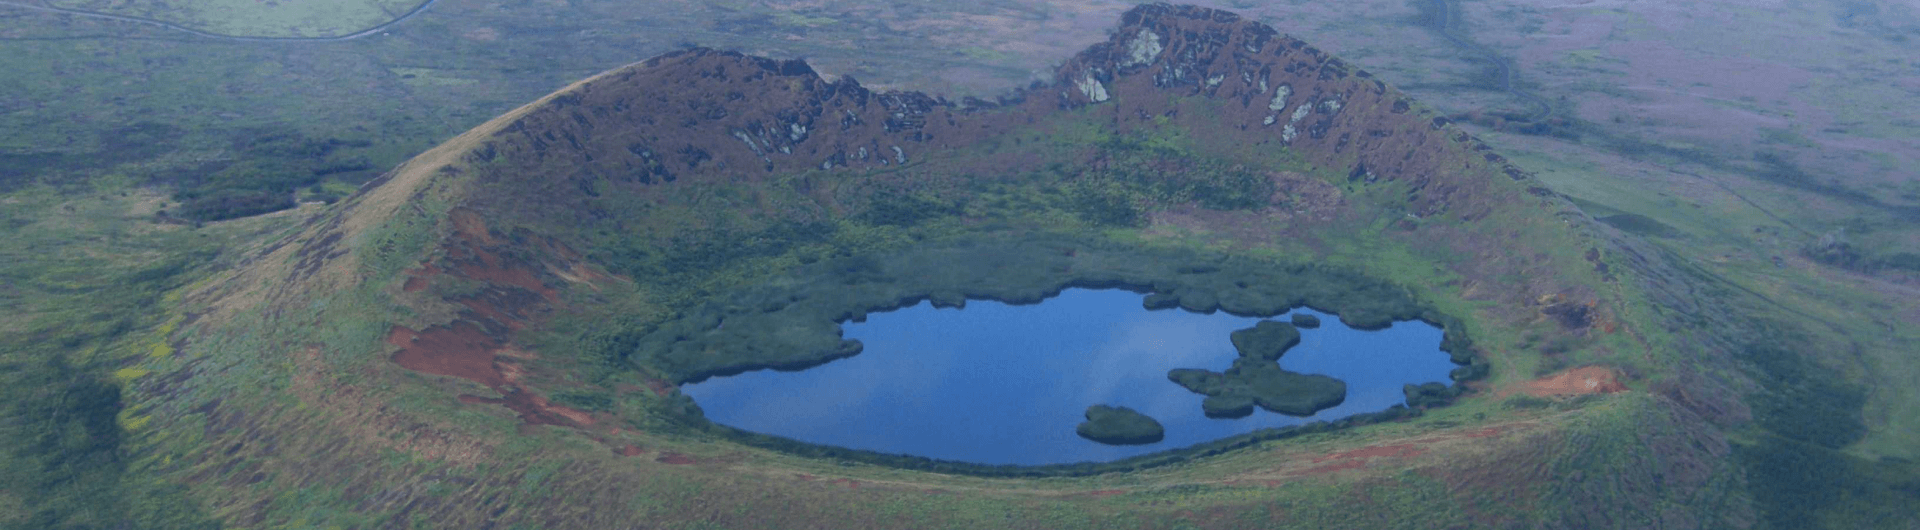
(294, 19)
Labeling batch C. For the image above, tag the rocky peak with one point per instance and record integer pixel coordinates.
(706, 114)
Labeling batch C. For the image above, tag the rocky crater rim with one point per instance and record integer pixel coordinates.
(730, 116)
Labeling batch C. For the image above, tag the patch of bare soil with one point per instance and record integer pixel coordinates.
(464, 350)
(460, 349)
(478, 346)
(477, 259)
(1583, 380)
(535, 410)
(419, 279)
(659, 387)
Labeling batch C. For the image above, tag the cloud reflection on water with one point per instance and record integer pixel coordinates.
(1006, 384)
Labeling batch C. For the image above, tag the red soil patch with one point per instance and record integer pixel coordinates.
(476, 256)
(482, 264)
(675, 459)
(538, 411)
(465, 351)
(418, 278)
(468, 225)
(477, 260)
(630, 450)
(488, 310)
(460, 350)
(572, 267)
(1583, 380)
(535, 410)
(476, 348)
(660, 387)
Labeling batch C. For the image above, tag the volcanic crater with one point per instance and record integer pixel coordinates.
(706, 212)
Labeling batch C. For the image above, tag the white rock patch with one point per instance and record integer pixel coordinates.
(1280, 98)
(1144, 48)
(1288, 133)
(1095, 91)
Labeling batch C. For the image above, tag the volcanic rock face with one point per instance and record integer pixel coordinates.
(705, 116)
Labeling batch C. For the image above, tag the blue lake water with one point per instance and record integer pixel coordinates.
(1000, 384)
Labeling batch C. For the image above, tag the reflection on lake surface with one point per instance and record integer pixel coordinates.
(1000, 384)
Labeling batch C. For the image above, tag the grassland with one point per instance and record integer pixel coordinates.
(246, 20)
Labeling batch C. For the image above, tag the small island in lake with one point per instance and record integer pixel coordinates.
(1120, 426)
(1256, 378)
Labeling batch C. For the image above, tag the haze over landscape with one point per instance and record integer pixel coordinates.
(449, 264)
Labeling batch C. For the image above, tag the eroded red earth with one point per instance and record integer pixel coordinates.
(1583, 380)
(418, 279)
(460, 350)
(477, 346)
